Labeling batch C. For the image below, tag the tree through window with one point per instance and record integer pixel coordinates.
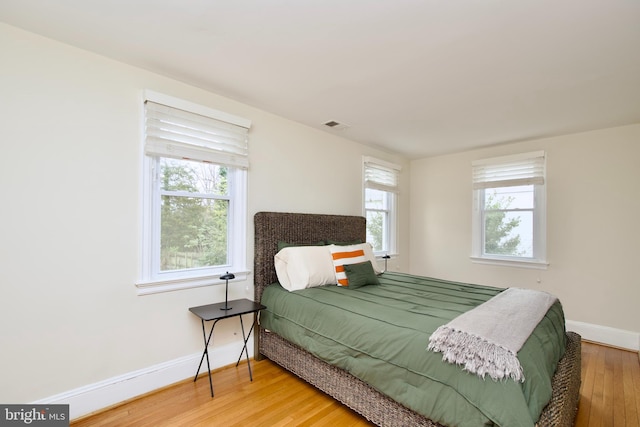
(194, 215)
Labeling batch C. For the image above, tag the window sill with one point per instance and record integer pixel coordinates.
(519, 263)
(148, 287)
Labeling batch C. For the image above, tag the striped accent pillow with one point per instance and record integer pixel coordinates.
(345, 255)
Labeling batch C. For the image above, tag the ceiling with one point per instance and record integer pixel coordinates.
(416, 77)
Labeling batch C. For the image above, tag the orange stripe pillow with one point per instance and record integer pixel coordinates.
(352, 254)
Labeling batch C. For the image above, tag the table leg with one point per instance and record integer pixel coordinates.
(205, 353)
(244, 347)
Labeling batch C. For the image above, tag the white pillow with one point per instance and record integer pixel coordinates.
(351, 254)
(300, 267)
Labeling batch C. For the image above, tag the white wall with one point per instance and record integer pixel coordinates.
(70, 171)
(593, 227)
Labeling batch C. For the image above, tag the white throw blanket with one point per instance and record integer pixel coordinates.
(486, 339)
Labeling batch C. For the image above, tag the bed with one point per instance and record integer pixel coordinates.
(274, 227)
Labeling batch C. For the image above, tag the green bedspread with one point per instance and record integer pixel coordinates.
(380, 335)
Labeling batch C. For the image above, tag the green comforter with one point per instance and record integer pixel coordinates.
(380, 334)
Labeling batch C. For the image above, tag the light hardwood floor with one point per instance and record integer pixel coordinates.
(609, 396)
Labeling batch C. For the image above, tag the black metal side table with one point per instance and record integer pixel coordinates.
(216, 312)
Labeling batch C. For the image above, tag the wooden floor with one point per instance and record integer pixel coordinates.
(610, 390)
(609, 396)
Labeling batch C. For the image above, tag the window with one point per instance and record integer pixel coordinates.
(509, 213)
(380, 204)
(194, 188)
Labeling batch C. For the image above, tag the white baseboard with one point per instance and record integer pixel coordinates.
(100, 395)
(606, 335)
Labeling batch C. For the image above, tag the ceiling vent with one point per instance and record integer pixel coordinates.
(336, 125)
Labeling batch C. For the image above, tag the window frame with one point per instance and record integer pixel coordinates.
(151, 280)
(389, 186)
(538, 260)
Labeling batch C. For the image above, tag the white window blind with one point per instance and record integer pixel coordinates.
(176, 133)
(509, 171)
(381, 175)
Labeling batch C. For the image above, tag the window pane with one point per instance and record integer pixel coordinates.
(193, 177)
(520, 197)
(376, 226)
(508, 233)
(193, 233)
(376, 199)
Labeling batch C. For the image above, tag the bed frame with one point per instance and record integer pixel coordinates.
(272, 227)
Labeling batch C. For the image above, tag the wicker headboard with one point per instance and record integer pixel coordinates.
(273, 227)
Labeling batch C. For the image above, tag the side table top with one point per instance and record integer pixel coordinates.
(236, 308)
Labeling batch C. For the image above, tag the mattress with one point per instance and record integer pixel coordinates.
(380, 333)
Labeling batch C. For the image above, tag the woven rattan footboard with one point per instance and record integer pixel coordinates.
(272, 227)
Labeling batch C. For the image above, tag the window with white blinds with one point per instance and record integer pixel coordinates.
(381, 182)
(509, 171)
(509, 215)
(380, 175)
(195, 189)
(174, 132)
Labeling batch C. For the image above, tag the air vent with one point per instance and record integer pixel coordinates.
(336, 125)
